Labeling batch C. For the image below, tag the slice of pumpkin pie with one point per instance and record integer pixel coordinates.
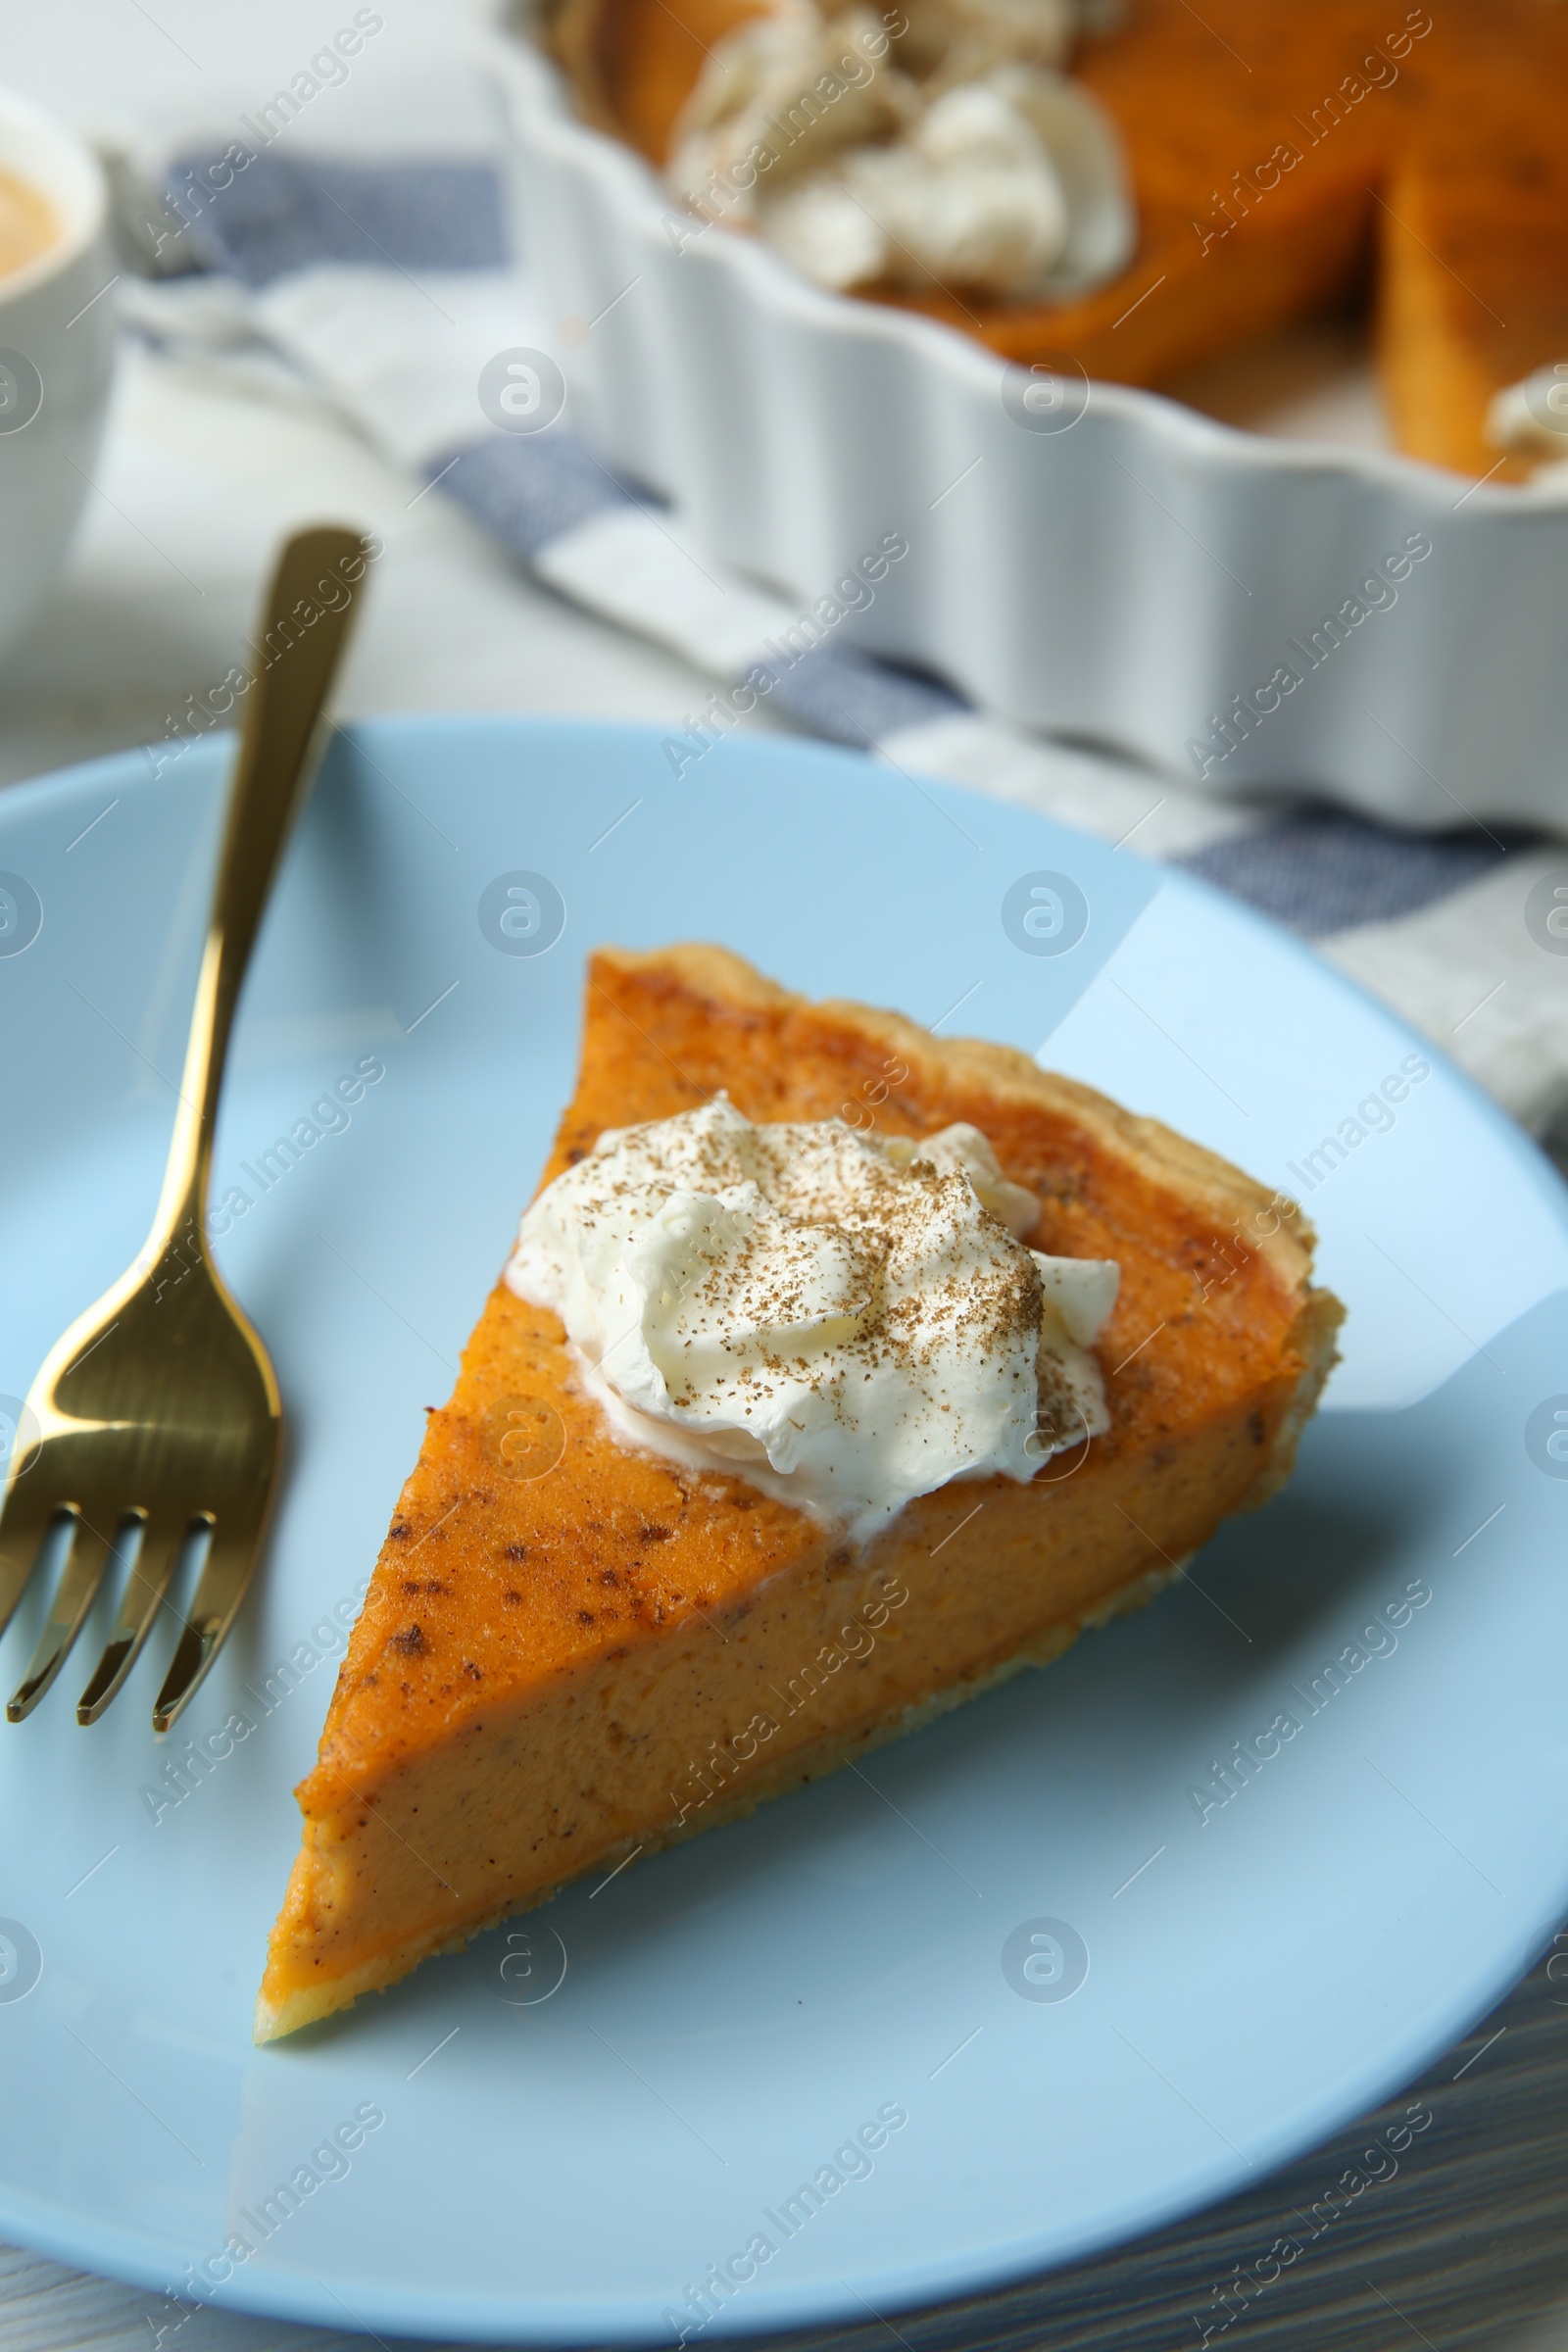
(837, 1372)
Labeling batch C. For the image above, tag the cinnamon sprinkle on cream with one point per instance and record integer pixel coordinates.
(847, 1322)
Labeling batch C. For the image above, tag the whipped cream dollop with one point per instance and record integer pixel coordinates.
(844, 1320)
(1530, 420)
(948, 150)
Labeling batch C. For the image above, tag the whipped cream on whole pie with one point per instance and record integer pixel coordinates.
(846, 1320)
(1530, 420)
(938, 144)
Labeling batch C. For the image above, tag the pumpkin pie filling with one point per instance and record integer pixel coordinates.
(577, 1648)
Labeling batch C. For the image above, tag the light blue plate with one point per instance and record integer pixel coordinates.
(735, 2013)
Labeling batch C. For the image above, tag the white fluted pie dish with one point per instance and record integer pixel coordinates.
(1088, 560)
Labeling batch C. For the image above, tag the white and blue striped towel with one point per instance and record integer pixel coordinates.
(389, 285)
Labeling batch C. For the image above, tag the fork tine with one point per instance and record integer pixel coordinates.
(217, 1596)
(28, 1516)
(79, 1580)
(139, 1604)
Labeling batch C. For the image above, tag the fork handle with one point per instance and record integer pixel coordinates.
(305, 627)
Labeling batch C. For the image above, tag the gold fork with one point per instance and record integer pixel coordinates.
(157, 1412)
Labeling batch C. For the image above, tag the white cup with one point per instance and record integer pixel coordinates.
(57, 340)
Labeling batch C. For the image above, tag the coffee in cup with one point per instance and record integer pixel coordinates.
(57, 339)
(28, 223)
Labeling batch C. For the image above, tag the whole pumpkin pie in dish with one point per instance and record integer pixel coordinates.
(1274, 153)
(839, 1372)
